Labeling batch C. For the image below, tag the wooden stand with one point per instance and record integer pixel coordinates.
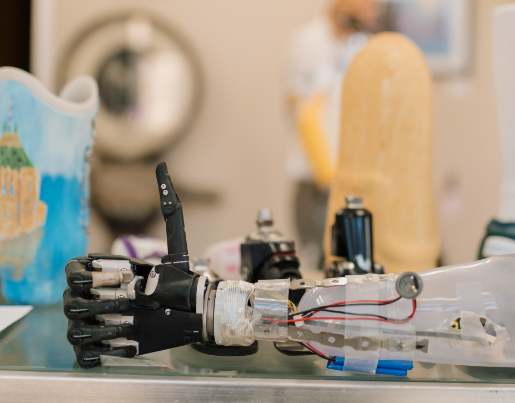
(385, 153)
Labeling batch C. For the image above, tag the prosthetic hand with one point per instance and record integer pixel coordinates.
(123, 307)
(119, 306)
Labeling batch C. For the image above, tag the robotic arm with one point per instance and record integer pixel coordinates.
(459, 314)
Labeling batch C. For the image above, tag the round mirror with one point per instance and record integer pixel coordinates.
(149, 84)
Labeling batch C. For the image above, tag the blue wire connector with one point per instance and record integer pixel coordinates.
(384, 367)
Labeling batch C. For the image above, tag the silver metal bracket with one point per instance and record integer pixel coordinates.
(305, 284)
(307, 336)
(359, 343)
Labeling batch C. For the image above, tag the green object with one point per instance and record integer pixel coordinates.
(499, 240)
(12, 153)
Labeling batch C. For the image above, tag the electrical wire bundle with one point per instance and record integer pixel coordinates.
(315, 351)
(308, 314)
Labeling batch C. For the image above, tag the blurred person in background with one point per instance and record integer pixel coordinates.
(319, 55)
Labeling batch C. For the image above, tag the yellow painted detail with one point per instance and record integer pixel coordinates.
(10, 140)
(314, 140)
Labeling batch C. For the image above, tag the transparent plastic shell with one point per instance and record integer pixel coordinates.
(270, 301)
(465, 316)
(243, 312)
(233, 321)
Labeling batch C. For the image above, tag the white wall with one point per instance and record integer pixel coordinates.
(466, 145)
(238, 142)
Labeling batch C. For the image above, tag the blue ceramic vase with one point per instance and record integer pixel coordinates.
(45, 147)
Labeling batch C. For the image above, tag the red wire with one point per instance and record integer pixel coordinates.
(360, 301)
(366, 300)
(318, 352)
(344, 318)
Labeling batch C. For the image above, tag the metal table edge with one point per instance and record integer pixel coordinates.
(61, 386)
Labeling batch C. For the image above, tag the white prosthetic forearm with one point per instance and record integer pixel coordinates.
(463, 315)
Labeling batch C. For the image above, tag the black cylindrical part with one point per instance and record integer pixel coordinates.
(352, 238)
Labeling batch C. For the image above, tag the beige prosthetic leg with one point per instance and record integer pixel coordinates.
(385, 153)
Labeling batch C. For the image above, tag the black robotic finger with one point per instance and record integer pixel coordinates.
(89, 356)
(135, 263)
(78, 307)
(169, 198)
(78, 276)
(81, 332)
(82, 274)
(171, 208)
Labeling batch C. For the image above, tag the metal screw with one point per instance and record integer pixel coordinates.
(165, 192)
(127, 322)
(168, 312)
(245, 271)
(163, 186)
(354, 202)
(152, 274)
(120, 296)
(264, 218)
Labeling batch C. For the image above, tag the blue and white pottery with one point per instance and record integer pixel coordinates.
(45, 147)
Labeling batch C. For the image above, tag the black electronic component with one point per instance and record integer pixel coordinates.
(268, 261)
(409, 285)
(267, 254)
(351, 240)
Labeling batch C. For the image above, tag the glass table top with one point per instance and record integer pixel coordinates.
(38, 343)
